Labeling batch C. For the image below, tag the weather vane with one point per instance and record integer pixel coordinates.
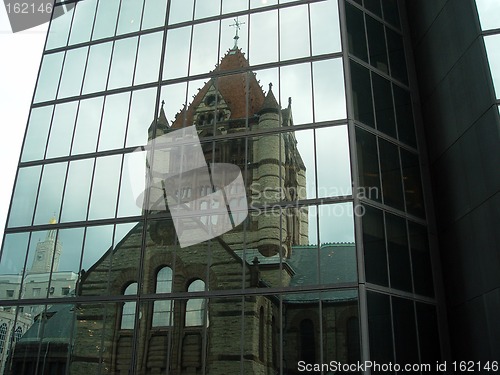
(236, 25)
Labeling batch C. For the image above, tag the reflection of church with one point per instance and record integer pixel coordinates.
(229, 334)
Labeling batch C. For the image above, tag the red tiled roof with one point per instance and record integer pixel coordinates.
(232, 88)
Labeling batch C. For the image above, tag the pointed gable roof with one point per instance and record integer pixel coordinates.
(232, 88)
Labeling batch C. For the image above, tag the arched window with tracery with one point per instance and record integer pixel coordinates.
(3, 336)
(128, 310)
(18, 333)
(196, 307)
(162, 309)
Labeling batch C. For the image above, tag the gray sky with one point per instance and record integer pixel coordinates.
(21, 54)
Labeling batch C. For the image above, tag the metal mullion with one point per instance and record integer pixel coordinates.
(379, 72)
(386, 137)
(400, 293)
(220, 137)
(358, 225)
(218, 293)
(95, 94)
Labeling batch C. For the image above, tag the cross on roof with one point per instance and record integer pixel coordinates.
(236, 25)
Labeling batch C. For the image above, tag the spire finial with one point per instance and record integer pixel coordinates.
(236, 25)
(162, 103)
(270, 86)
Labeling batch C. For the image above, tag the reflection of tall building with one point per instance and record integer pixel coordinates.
(194, 336)
(42, 278)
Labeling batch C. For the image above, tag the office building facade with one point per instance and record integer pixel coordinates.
(341, 116)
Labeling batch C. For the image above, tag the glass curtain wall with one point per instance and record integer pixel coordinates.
(311, 101)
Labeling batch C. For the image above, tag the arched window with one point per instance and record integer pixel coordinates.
(18, 333)
(128, 311)
(162, 309)
(307, 342)
(3, 335)
(196, 307)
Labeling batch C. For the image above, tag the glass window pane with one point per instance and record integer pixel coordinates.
(129, 19)
(72, 74)
(374, 6)
(488, 14)
(14, 250)
(83, 21)
(362, 94)
(207, 9)
(428, 333)
(141, 116)
(177, 53)
(384, 107)
(76, 194)
(122, 63)
(24, 197)
(261, 3)
(329, 94)
(379, 325)
(154, 14)
(336, 226)
(61, 130)
(48, 79)
(391, 174)
(229, 6)
(296, 84)
(36, 135)
(305, 147)
(66, 263)
(332, 143)
(96, 75)
(374, 247)
(114, 121)
(405, 331)
(397, 249)
(180, 10)
(50, 194)
(404, 115)
(175, 98)
(59, 30)
(420, 260)
(396, 56)
(294, 32)
(325, 28)
(87, 126)
(492, 44)
(105, 187)
(391, 12)
(356, 32)
(98, 240)
(369, 172)
(412, 184)
(376, 43)
(263, 38)
(204, 53)
(148, 58)
(133, 184)
(105, 22)
(228, 34)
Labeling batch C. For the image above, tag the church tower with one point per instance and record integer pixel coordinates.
(45, 251)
